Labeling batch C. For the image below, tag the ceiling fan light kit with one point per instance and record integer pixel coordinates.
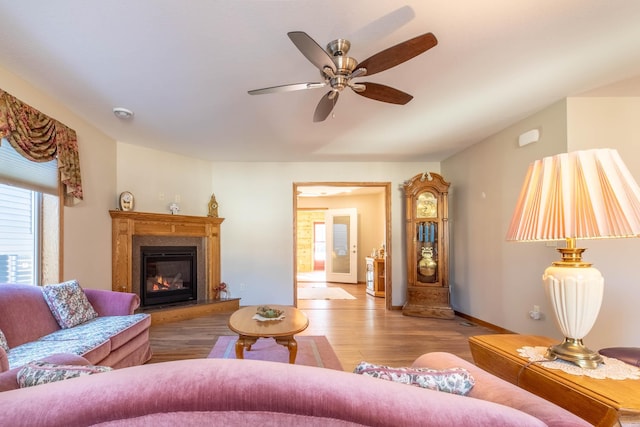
(337, 70)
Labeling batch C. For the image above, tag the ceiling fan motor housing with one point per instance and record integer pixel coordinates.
(339, 47)
(344, 64)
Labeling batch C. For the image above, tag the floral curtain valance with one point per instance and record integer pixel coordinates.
(40, 138)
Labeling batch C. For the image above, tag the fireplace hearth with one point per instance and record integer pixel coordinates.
(168, 274)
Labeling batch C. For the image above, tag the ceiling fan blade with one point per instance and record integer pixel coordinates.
(286, 88)
(312, 50)
(398, 54)
(384, 93)
(325, 106)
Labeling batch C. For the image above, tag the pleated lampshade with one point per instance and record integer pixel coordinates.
(582, 195)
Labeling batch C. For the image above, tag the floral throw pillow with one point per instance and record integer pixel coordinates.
(3, 342)
(68, 303)
(453, 380)
(36, 373)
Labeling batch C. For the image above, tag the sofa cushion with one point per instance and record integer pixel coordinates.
(37, 373)
(129, 328)
(36, 350)
(93, 339)
(68, 303)
(3, 341)
(453, 380)
(25, 316)
(135, 352)
(100, 329)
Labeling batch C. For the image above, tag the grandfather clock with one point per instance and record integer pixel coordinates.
(427, 234)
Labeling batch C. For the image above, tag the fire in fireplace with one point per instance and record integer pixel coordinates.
(168, 274)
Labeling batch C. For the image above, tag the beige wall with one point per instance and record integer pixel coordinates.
(499, 281)
(491, 279)
(157, 179)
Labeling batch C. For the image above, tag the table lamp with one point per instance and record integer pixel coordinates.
(579, 195)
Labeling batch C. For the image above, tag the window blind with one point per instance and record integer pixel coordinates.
(19, 171)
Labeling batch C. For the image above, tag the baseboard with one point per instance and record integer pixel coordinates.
(472, 319)
(488, 325)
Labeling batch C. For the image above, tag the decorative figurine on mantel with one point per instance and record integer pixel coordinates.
(213, 207)
(222, 288)
(174, 208)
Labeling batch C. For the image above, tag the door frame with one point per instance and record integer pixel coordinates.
(386, 186)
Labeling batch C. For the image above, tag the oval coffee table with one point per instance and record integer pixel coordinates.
(249, 330)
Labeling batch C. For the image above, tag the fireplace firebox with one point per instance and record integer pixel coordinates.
(168, 274)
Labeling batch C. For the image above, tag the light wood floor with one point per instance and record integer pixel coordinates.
(358, 330)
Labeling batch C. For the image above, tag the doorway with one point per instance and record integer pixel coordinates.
(317, 197)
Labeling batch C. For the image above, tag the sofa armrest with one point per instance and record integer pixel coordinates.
(491, 388)
(111, 303)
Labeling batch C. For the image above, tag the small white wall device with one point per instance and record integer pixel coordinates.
(529, 137)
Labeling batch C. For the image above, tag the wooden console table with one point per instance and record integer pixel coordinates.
(375, 276)
(600, 402)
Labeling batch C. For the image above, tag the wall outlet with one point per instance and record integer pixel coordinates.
(243, 287)
(160, 196)
(535, 313)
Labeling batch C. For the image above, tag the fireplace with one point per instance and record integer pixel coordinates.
(168, 274)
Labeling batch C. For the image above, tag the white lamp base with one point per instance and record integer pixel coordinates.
(576, 296)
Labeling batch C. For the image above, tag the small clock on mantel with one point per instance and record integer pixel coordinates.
(125, 202)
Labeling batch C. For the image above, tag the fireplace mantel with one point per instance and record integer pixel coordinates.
(126, 224)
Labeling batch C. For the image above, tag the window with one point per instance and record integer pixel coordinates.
(18, 234)
(29, 220)
(319, 245)
(28, 236)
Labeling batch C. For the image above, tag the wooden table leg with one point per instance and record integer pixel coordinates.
(291, 344)
(242, 343)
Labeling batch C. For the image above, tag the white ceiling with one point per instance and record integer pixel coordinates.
(184, 68)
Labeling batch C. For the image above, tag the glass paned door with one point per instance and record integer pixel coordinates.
(342, 245)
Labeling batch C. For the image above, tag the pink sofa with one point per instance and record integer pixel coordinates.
(117, 337)
(230, 392)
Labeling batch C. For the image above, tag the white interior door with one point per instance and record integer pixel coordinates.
(342, 245)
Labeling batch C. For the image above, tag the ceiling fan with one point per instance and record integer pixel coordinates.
(337, 70)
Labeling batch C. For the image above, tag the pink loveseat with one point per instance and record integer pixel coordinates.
(117, 337)
(230, 392)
